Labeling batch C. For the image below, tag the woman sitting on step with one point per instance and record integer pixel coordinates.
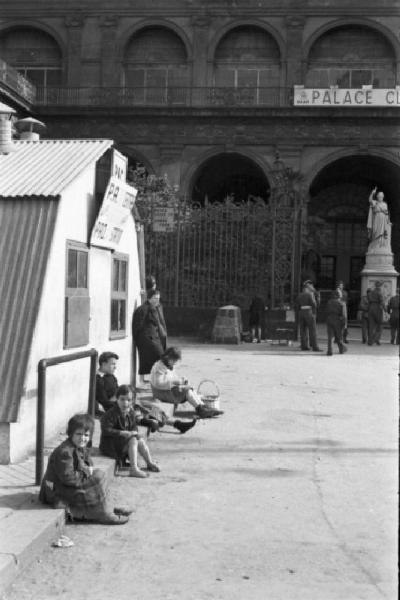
(71, 481)
(167, 386)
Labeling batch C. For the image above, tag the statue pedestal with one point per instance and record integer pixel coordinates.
(379, 267)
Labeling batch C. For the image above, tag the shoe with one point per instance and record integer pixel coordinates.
(378, 343)
(342, 350)
(184, 427)
(329, 353)
(304, 348)
(153, 468)
(207, 413)
(151, 424)
(317, 349)
(125, 512)
(113, 519)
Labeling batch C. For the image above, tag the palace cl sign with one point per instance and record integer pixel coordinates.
(346, 97)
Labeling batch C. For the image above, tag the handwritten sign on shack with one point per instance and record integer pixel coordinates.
(115, 211)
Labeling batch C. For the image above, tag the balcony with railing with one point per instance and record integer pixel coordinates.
(16, 85)
(198, 97)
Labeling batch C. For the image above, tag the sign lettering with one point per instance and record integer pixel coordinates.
(346, 97)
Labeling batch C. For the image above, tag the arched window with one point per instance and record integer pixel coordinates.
(34, 53)
(155, 67)
(248, 58)
(350, 57)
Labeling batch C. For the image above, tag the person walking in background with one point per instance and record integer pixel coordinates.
(363, 308)
(393, 310)
(334, 322)
(149, 334)
(376, 306)
(307, 307)
(256, 318)
(344, 297)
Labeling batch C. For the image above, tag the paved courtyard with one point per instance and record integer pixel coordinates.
(291, 495)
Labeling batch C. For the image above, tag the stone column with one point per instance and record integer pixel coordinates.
(199, 61)
(74, 25)
(294, 49)
(379, 267)
(110, 69)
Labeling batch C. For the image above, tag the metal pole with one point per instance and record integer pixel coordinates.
(40, 420)
(92, 385)
(178, 244)
(273, 254)
(41, 398)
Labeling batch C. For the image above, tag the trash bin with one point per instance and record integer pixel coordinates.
(227, 326)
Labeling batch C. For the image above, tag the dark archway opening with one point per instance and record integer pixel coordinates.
(338, 211)
(229, 176)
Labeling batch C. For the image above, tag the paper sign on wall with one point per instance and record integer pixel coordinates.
(115, 211)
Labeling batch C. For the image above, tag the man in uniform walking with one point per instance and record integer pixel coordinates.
(307, 307)
(393, 310)
(335, 318)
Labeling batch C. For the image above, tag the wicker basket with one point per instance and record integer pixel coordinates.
(209, 392)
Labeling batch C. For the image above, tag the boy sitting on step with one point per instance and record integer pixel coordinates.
(120, 438)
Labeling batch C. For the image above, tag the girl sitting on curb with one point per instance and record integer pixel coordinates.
(120, 438)
(167, 386)
(71, 482)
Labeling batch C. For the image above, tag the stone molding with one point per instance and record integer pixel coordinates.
(74, 21)
(295, 21)
(109, 21)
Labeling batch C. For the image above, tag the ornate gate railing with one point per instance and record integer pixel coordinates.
(224, 253)
(209, 255)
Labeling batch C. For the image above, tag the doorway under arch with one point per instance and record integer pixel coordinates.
(229, 175)
(337, 218)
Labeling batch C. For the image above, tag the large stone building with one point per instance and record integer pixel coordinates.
(203, 90)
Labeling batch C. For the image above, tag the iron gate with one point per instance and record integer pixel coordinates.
(222, 253)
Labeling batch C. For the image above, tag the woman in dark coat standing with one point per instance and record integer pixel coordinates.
(149, 333)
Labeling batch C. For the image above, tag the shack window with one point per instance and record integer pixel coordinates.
(119, 295)
(77, 301)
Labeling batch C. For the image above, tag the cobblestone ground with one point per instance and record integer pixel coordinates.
(291, 495)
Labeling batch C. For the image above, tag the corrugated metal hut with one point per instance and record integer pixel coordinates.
(58, 292)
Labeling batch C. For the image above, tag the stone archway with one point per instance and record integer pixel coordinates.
(230, 175)
(337, 216)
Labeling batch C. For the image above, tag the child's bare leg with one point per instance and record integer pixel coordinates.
(193, 398)
(145, 453)
(133, 456)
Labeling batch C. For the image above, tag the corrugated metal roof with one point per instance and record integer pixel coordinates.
(46, 167)
(26, 231)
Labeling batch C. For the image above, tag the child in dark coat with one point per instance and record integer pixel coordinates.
(256, 318)
(120, 438)
(71, 482)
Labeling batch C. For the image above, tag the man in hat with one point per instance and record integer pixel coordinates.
(306, 305)
(335, 318)
(393, 310)
(376, 305)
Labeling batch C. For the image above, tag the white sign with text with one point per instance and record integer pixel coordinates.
(115, 211)
(346, 97)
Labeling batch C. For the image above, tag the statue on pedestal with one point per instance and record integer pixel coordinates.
(378, 224)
